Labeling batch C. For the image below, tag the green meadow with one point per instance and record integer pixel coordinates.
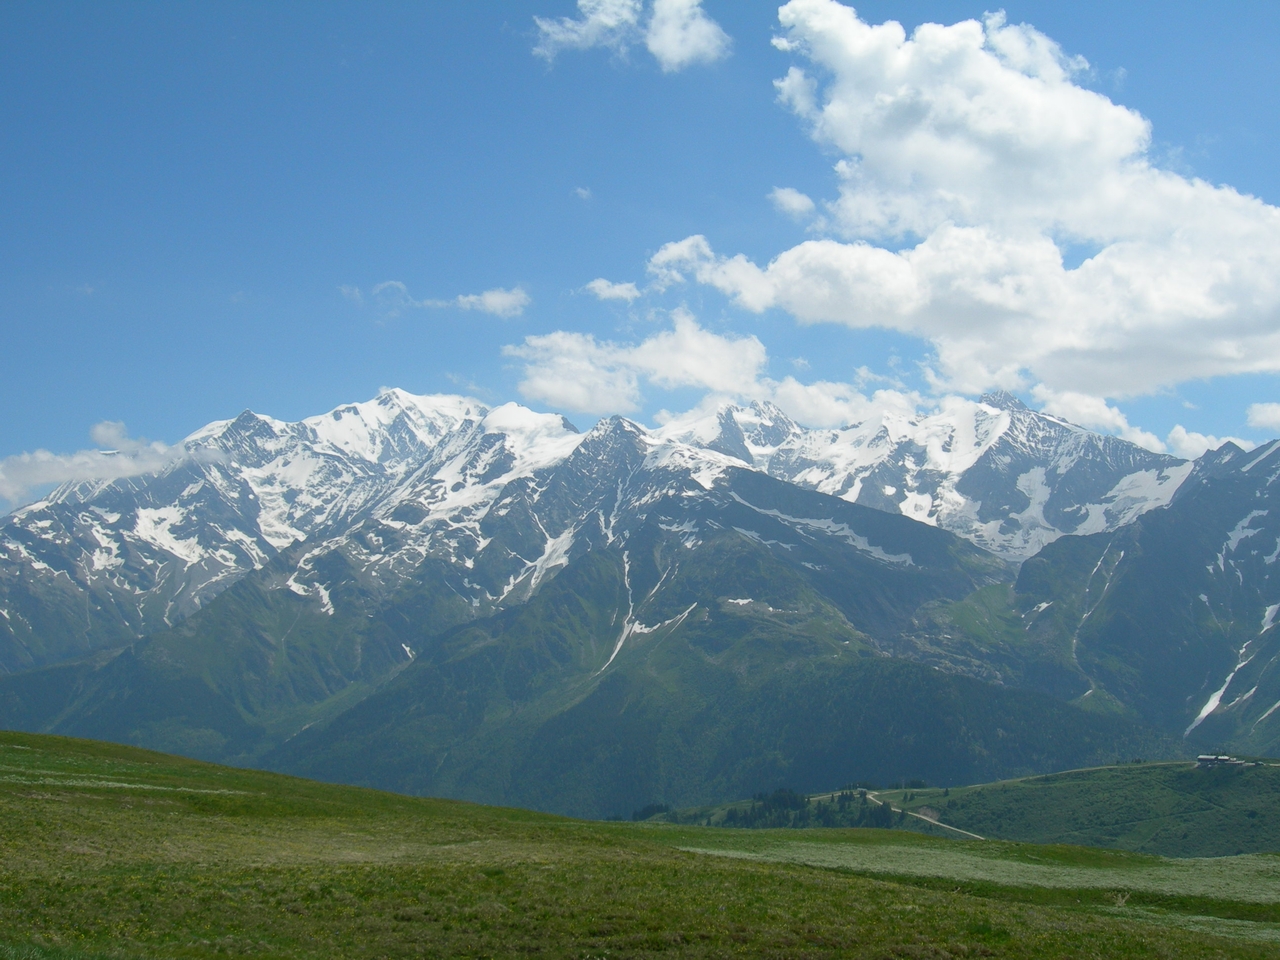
(111, 851)
(1173, 809)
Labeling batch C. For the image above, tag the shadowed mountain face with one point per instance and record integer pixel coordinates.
(1170, 619)
(1175, 614)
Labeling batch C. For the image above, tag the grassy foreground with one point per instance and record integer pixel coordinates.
(113, 851)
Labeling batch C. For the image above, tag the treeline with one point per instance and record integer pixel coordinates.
(786, 808)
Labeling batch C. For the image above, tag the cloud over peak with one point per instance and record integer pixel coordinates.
(577, 372)
(118, 456)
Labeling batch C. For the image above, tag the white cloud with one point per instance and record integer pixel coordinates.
(604, 23)
(1264, 416)
(574, 371)
(120, 456)
(393, 296)
(1187, 444)
(351, 293)
(1089, 411)
(604, 290)
(790, 201)
(680, 34)
(499, 302)
(677, 32)
(582, 193)
(974, 145)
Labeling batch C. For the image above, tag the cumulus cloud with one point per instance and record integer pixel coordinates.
(677, 32)
(681, 34)
(605, 290)
(1188, 444)
(118, 455)
(790, 201)
(1264, 416)
(971, 158)
(1090, 411)
(575, 371)
(393, 297)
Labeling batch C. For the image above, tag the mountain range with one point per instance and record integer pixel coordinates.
(441, 597)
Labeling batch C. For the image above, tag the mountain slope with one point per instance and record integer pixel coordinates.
(111, 851)
(566, 703)
(1170, 619)
(670, 532)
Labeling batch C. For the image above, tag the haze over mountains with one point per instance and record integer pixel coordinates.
(434, 595)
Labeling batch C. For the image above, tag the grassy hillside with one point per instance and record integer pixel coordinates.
(1169, 809)
(1173, 809)
(115, 851)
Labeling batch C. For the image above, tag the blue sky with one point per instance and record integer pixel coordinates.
(203, 206)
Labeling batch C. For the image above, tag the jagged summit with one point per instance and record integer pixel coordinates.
(1003, 400)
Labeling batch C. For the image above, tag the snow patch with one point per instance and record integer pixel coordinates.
(1262, 456)
(1269, 618)
(834, 529)
(1242, 530)
(155, 526)
(1216, 698)
(554, 555)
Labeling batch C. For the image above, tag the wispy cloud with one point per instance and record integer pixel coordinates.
(603, 23)
(575, 371)
(677, 32)
(393, 298)
(499, 302)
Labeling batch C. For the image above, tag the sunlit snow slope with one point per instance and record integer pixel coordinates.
(993, 471)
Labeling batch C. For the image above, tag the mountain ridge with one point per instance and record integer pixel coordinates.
(97, 564)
